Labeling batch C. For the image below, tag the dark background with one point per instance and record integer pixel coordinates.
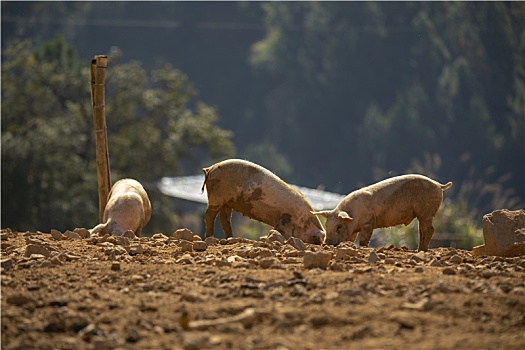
(334, 95)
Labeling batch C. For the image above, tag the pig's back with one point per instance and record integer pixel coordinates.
(254, 191)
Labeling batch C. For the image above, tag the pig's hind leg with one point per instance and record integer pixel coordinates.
(426, 231)
(209, 217)
(226, 221)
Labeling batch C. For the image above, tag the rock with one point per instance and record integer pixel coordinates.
(116, 250)
(504, 232)
(266, 262)
(57, 235)
(417, 257)
(186, 246)
(129, 234)
(160, 236)
(234, 240)
(296, 243)
(7, 264)
(373, 258)
(456, 259)
(316, 259)
(36, 249)
(82, 232)
(115, 266)
(200, 246)
(275, 236)
(183, 233)
(479, 250)
(136, 249)
(196, 238)
(185, 259)
(346, 253)
(71, 235)
(212, 241)
(449, 271)
(19, 300)
(55, 260)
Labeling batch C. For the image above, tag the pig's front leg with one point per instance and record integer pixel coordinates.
(366, 234)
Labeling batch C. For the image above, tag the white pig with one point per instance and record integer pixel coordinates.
(128, 209)
(390, 202)
(259, 194)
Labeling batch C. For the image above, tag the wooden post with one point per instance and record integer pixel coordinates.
(98, 98)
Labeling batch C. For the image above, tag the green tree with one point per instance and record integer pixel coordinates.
(367, 86)
(156, 127)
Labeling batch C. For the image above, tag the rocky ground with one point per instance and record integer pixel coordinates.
(63, 291)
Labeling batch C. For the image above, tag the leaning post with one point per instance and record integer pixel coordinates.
(98, 97)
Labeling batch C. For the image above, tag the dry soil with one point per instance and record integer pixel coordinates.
(162, 293)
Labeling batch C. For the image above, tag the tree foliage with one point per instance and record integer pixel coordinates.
(338, 94)
(156, 127)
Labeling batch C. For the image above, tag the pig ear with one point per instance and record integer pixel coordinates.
(324, 213)
(344, 216)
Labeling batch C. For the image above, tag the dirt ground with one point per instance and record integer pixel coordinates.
(168, 293)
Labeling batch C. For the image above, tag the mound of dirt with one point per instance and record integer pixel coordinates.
(63, 291)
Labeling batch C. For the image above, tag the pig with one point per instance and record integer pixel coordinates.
(390, 202)
(257, 193)
(128, 209)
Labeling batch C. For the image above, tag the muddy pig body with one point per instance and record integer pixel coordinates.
(257, 193)
(128, 209)
(390, 202)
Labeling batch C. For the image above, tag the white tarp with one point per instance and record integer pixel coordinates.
(189, 188)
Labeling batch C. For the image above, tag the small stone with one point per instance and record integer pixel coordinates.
(456, 259)
(7, 264)
(417, 258)
(275, 236)
(36, 249)
(115, 266)
(266, 262)
(185, 259)
(373, 258)
(316, 259)
(296, 243)
(211, 241)
(234, 240)
(346, 253)
(390, 261)
(419, 269)
(159, 236)
(135, 249)
(71, 235)
(434, 262)
(82, 232)
(116, 250)
(19, 300)
(57, 235)
(55, 260)
(183, 233)
(129, 234)
(37, 257)
(196, 238)
(449, 271)
(186, 246)
(200, 246)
